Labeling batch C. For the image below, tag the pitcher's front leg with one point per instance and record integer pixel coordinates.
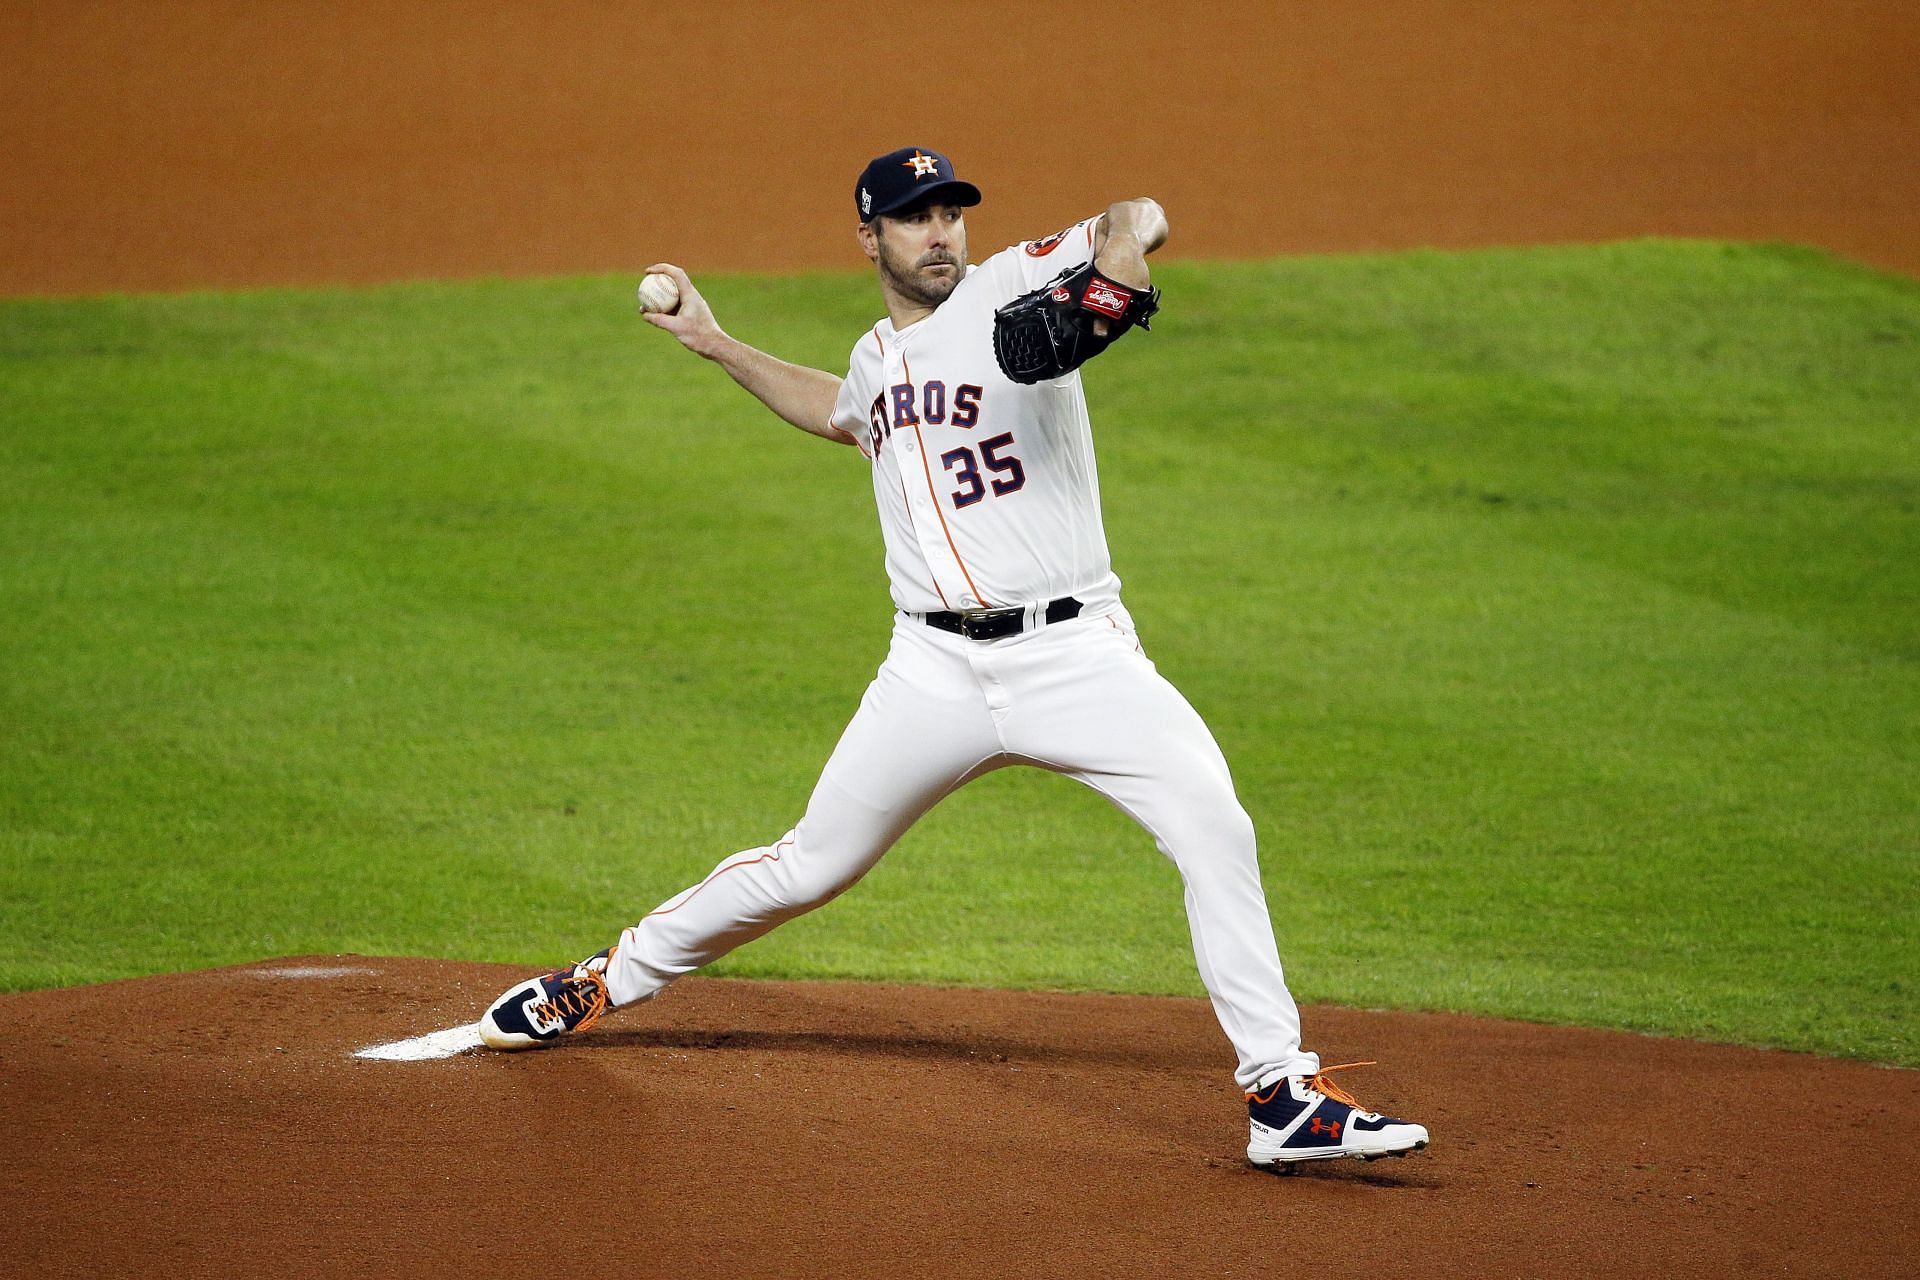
(1095, 708)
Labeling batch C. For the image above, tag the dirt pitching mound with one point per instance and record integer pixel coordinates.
(218, 1123)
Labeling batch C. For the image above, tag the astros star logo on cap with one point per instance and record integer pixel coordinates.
(922, 166)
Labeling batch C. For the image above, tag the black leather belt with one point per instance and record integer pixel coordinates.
(994, 623)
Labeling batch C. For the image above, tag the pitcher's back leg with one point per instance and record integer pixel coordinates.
(922, 729)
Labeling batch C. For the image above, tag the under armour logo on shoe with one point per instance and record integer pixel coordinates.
(1329, 1127)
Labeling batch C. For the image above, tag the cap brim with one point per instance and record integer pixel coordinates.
(952, 191)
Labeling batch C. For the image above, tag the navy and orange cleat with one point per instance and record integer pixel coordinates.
(540, 1010)
(1312, 1118)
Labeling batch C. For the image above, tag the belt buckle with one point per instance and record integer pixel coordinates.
(982, 626)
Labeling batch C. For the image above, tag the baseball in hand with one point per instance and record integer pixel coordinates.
(659, 293)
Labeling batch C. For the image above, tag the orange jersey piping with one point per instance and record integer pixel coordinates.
(927, 467)
(772, 855)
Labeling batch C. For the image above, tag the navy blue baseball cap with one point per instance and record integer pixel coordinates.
(910, 175)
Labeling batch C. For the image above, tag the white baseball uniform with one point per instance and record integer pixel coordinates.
(989, 499)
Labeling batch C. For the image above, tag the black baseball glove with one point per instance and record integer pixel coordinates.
(1049, 333)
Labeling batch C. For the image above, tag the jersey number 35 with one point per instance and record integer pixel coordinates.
(1010, 475)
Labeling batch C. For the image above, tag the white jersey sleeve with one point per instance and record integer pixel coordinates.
(1041, 260)
(856, 410)
(849, 415)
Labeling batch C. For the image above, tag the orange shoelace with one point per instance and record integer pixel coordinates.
(1320, 1084)
(584, 993)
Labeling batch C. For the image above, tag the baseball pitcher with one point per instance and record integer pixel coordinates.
(1010, 642)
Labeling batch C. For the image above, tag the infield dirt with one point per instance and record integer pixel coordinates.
(217, 1123)
(222, 142)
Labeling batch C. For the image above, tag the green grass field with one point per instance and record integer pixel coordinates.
(1558, 610)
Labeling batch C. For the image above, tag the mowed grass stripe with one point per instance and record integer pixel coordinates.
(1555, 608)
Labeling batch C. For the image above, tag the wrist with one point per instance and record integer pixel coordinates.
(1123, 259)
(718, 346)
(1123, 247)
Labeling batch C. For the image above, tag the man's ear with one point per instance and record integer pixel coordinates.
(868, 233)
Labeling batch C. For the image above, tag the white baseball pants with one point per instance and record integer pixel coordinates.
(1077, 697)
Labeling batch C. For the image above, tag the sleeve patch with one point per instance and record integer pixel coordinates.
(1041, 248)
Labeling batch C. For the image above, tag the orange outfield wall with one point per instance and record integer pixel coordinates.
(162, 146)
